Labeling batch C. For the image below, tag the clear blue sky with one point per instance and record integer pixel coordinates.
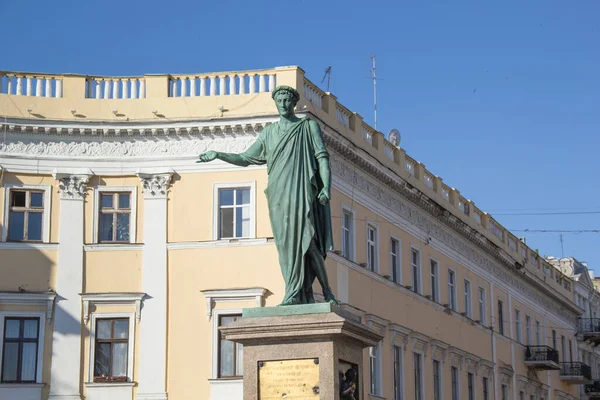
(501, 99)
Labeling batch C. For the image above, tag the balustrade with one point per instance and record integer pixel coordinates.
(221, 84)
(115, 88)
(367, 134)
(342, 116)
(37, 85)
(410, 166)
(388, 149)
(314, 95)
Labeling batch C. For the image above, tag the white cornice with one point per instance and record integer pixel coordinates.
(112, 299)
(113, 247)
(30, 299)
(218, 243)
(28, 246)
(214, 296)
(376, 323)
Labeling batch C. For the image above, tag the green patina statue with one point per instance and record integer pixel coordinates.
(298, 194)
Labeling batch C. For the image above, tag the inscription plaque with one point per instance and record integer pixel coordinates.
(288, 379)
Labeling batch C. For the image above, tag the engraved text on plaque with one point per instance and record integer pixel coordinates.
(288, 379)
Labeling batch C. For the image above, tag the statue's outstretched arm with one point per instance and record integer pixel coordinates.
(250, 156)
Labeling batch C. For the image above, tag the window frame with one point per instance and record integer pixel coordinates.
(485, 388)
(434, 286)
(132, 190)
(471, 386)
(501, 327)
(528, 330)
(397, 268)
(421, 382)
(468, 297)
(454, 373)
(216, 315)
(518, 327)
(375, 228)
(538, 332)
(215, 215)
(46, 210)
(438, 389)
(482, 303)
(452, 299)
(352, 244)
(376, 388)
(41, 339)
(419, 270)
(398, 372)
(130, 345)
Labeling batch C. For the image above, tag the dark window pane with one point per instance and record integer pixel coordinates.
(18, 198)
(36, 200)
(106, 200)
(105, 232)
(124, 200)
(119, 360)
(242, 196)
(30, 329)
(122, 227)
(102, 359)
(34, 228)
(226, 222)
(28, 362)
(11, 328)
(10, 362)
(226, 197)
(16, 224)
(121, 329)
(103, 329)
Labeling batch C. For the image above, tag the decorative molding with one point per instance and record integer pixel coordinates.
(456, 357)
(399, 335)
(522, 383)
(439, 350)
(560, 395)
(214, 296)
(28, 246)
(45, 299)
(156, 185)
(472, 363)
(112, 299)
(506, 374)
(420, 342)
(72, 186)
(486, 368)
(219, 243)
(376, 323)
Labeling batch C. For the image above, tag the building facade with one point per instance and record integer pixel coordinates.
(120, 256)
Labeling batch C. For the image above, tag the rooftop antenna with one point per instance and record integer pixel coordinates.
(328, 76)
(374, 92)
(562, 250)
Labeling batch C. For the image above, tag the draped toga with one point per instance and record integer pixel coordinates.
(301, 224)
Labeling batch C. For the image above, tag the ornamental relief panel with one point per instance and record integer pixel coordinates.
(341, 169)
(178, 146)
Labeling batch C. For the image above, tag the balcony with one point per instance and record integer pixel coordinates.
(575, 373)
(592, 390)
(589, 328)
(541, 358)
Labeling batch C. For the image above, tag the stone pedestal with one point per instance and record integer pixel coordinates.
(299, 351)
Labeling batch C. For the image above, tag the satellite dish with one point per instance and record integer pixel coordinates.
(394, 137)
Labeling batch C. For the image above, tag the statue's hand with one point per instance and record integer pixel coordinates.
(323, 196)
(207, 156)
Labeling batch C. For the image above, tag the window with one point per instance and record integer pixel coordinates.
(452, 290)
(375, 370)
(114, 217)
(468, 311)
(26, 215)
(504, 392)
(518, 326)
(454, 378)
(111, 350)
(415, 262)
(347, 234)
(235, 213)
(20, 350)
(563, 348)
(372, 248)
(528, 332)
(501, 317)
(571, 351)
(437, 381)
(554, 339)
(482, 307)
(521, 395)
(434, 270)
(395, 260)
(538, 333)
(418, 376)
(398, 374)
(231, 362)
(470, 386)
(486, 388)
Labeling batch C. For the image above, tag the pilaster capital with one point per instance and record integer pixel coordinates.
(72, 186)
(155, 184)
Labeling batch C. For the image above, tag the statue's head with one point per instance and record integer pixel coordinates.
(285, 98)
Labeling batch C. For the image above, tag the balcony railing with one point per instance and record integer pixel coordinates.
(575, 372)
(592, 390)
(541, 357)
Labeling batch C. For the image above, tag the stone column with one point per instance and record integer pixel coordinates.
(153, 328)
(66, 337)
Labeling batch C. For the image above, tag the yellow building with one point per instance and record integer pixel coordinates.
(120, 256)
